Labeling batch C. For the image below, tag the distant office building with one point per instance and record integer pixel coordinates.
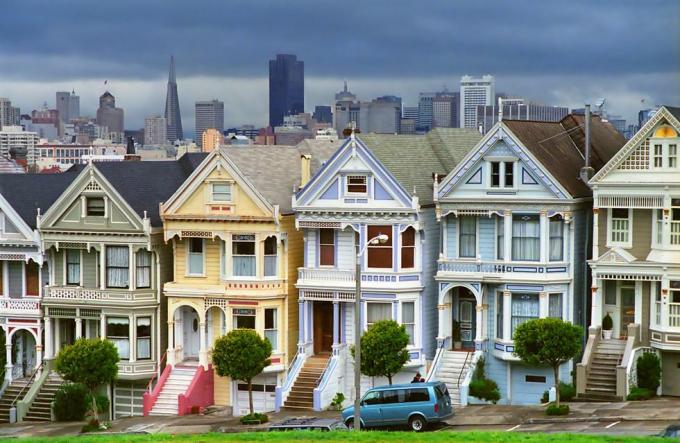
(55, 154)
(618, 122)
(68, 105)
(323, 114)
(211, 139)
(155, 130)
(9, 115)
(265, 136)
(249, 131)
(45, 122)
(425, 110)
(291, 135)
(381, 115)
(475, 92)
(173, 118)
(445, 110)
(644, 115)
(15, 142)
(209, 115)
(517, 109)
(110, 116)
(410, 112)
(407, 126)
(286, 88)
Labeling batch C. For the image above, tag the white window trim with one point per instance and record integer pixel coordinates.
(356, 194)
(383, 302)
(458, 231)
(187, 272)
(211, 192)
(498, 228)
(665, 153)
(416, 263)
(277, 349)
(502, 161)
(564, 242)
(416, 325)
(259, 257)
(625, 245)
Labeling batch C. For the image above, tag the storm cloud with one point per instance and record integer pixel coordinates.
(556, 52)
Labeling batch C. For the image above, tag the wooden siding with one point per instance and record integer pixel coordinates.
(487, 237)
(642, 233)
(211, 271)
(222, 391)
(346, 248)
(294, 260)
(451, 237)
(430, 253)
(89, 265)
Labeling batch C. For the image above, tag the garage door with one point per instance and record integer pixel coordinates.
(128, 399)
(264, 395)
(670, 373)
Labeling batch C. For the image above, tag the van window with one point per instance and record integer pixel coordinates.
(418, 395)
(372, 398)
(438, 393)
(390, 396)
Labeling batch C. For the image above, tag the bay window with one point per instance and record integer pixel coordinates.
(526, 237)
(243, 255)
(408, 246)
(73, 266)
(117, 266)
(143, 265)
(376, 312)
(195, 257)
(143, 338)
(380, 255)
(271, 331)
(326, 247)
(408, 317)
(468, 236)
(525, 307)
(555, 305)
(556, 247)
(118, 333)
(270, 255)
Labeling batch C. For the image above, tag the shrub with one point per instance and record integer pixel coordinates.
(567, 393)
(637, 394)
(485, 389)
(607, 323)
(338, 400)
(648, 371)
(70, 402)
(553, 409)
(254, 418)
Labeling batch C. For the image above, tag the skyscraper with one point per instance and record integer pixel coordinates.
(110, 116)
(445, 110)
(173, 117)
(474, 92)
(155, 130)
(9, 115)
(209, 115)
(68, 105)
(286, 88)
(517, 109)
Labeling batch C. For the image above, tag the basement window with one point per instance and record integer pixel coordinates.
(534, 378)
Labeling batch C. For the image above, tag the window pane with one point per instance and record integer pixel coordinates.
(143, 277)
(196, 245)
(143, 337)
(495, 174)
(117, 266)
(408, 320)
(556, 239)
(243, 251)
(356, 184)
(378, 311)
(468, 236)
(500, 238)
(380, 255)
(326, 247)
(270, 327)
(526, 238)
(118, 332)
(95, 206)
(415, 395)
(408, 238)
(509, 175)
(221, 192)
(524, 308)
(499, 315)
(270, 246)
(244, 321)
(555, 305)
(72, 266)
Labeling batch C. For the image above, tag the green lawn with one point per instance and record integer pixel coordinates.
(370, 436)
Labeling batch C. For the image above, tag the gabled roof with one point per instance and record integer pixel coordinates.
(674, 110)
(560, 147)
(413, 159)
(28, 192)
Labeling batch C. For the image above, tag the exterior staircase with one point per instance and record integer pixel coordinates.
(601, 383)
(41, 408)
(177, 383)
(451, 369)
(301, 395)
(10, 394)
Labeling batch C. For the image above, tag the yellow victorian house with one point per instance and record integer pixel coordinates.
(236, 253)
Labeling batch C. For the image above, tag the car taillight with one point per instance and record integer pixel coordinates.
(436, 408)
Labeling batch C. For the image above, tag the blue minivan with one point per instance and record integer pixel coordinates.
(413, 404)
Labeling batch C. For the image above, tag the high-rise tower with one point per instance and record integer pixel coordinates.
(286, 88)
(172, 114)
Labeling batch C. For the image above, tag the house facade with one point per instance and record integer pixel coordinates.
(360, 193)
(104, 241)
(636, 256)
(514, 220)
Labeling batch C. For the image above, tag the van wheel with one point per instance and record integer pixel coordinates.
(417, 423)
(350, 423)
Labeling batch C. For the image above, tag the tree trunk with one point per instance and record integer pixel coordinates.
(250, 396)
(95, 413)
(389, 379)
(556, 369)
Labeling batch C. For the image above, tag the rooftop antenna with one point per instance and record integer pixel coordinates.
(587, 171)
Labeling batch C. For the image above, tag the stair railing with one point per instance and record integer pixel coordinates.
(631, 366)
(291, 374)
(322, 382)
(436, 361)
(26, 387)
(23, 405)
(464, 386)
(462, 370)
(149, 387)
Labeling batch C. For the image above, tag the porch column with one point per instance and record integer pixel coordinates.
(480, 328)
(507, 235)
(8, 356)
(443, 252)
(543, 308)
(301, 323)
(596, 239)
(132, 280)
(38, 355)
(102, 267)
(132, 333)
(202, 350)
(48, 338)
(664, 304)
(102, 326)
(57, 336)
(441, 309)
(543, 220)
(79, 327)
(336, 324)
(596, 311)
(507, 307)
(171, 343)
(307, 322)
(638, 303)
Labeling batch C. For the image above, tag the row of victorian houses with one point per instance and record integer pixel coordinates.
(484, 233)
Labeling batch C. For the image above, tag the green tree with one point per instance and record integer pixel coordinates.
(383, 349)
(90, 362)
(548, 342)
(242, 354)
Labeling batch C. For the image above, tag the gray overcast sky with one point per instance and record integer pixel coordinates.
(554, 52)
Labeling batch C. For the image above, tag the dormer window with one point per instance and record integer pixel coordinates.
(502, 174)
(664, 148)
(95, 206)
(221, 192)
(356, 184)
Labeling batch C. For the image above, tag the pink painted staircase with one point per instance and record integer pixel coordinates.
(181, 390)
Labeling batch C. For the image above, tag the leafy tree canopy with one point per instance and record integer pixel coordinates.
(383, 349)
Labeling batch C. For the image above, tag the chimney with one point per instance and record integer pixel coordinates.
(131, 153)
(587, 171)
(305, 169)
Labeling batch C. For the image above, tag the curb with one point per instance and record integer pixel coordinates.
(536, 421)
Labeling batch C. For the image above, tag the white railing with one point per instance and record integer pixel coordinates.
(437, 361)
(464, 386)
(345, 277)
(293, 371)
(328, 385)
(674, 315)
(631, 366)
(76, 293)
(333, 275)
(19, 305)
(500, 267)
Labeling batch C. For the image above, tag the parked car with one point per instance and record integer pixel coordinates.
(413, 404)
(309, 424)
(673, 431)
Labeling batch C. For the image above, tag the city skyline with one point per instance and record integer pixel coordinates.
(570, 69)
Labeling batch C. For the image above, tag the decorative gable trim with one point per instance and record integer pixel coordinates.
(616, 255)
(352, 147)
(634, 143)
(16, 220)
(476, 178)
(527, 178)
(498, 133)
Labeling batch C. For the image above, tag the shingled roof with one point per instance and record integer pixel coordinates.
(560, 147)
(413, 159)
(673, 110)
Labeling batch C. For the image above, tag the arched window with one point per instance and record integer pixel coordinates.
(408, 248)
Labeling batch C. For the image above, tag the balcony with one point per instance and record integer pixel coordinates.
(78, 295)
(20, 307)
(494, 270)
(344, 279)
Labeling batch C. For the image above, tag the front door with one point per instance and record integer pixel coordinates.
(627, 308)
(323, 327)
(467, 319)
(190, 333)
